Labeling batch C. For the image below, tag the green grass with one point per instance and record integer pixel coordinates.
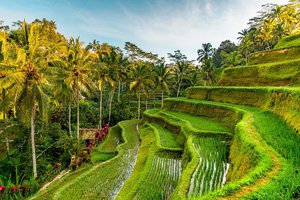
(167, 138)
(290, 41)
(276, 133)
(199, 123)
(275, 55)
(161, 178)
(213, 165)
(283, 101)
(107, 149)
(105, 179)
(145, 155)
(176, 121)
(287, 143)
(277, 73)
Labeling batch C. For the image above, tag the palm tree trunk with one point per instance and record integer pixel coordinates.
(139, 103)
(146, 103)
(110, 104)
(100, 109)
(154, 101)
(33, 141)
(70, 113)
(162, 99)
(14, 108)
(119, 91)
(179, 85)
(6, 136)
(78, 122)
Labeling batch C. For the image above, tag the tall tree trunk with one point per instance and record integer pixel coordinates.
(179, 85)
(6, 136)
(78, 121)
(162, 99)
(119, 91)
(110, 104)
(14, 107)
(33, 141)
(100, 109)
(139, 103)
(154, 101)
(146, 103)
(70, 123)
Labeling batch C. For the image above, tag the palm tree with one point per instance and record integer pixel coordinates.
(242, 34)
(80, 67)
(181, 70)
(207, 68)
(141, 81)
(30, 77)
(103, 74)
(205, 53)
(232, 59)
(74, 67)
(163, 75)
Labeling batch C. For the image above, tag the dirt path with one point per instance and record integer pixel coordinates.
(245, 190)
(61, 174)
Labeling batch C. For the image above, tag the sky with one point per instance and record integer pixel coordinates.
(157, 26)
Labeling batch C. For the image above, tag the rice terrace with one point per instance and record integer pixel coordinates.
(83, 118)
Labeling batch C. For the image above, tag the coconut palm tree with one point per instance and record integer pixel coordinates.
(232, 59)
(205, 53)
(29, 79)
(242, 34)
(102, 70)
(73, 70)
(142, 79)
(162, 76)
(181, 70)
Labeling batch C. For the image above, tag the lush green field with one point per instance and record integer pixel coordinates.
(199, 123)
(162, 177)
(167, 138)
(279, 137)
(107, 149)
(290, 41)
(85, 184)
(213, 166)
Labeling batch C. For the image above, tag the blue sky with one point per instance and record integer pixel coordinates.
(159, 26)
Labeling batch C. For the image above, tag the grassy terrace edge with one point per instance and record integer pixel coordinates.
(260, 157)
(279, 54)
(282, 101)
(279, 73)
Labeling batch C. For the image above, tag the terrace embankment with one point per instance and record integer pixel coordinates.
(277, 67)
(282, 101)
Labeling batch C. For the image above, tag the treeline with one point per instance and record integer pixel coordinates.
(51, 87)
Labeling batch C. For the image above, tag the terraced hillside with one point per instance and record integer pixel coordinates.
(277, 67)
(239, 141)
(241, 138)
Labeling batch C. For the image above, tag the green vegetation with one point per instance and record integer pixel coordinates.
(113, 172)
(212, 168)
(290, 41)
(146, 153)
(107, 149)
(233, 142)
(198, 122)
(167, 138)
(162, 176)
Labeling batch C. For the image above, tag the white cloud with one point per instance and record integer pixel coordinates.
(161, 26)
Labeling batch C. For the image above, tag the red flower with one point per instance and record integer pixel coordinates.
(14, 188)
(2, 188)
